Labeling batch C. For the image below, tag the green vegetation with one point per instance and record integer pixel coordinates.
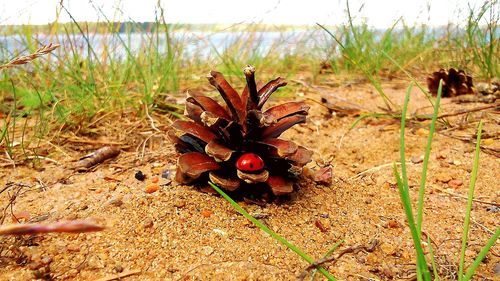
(416, 228)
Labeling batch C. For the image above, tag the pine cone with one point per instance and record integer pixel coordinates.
(238, 147)
(455, 83)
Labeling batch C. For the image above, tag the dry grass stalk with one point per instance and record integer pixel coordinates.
(28, 58)
(74, 226)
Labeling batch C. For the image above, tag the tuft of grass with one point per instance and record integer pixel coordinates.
(271, 233)
(416, 225)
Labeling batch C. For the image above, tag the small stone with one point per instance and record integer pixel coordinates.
(206, 213)
(166, 174)
(455, 183)
(393, 224)
(155, 180)
(388, 273)
(387, 248)
(152, 188)
(496, 269)
(422, 132)
(443, 177)
(489, 141)
(219, 231)
(368, 201)
(140, 176)
(73, 248)
(116, 200)
(179, 203)
(207, 250)
(325, 216)
(441, 155)
(118, 268)
(417, 159)
(322, 225)
(148, 223)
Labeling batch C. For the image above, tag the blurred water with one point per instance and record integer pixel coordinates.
(185, 44)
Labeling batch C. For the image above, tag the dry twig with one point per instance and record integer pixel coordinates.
(28, 58)
(74, 226)
(355, 249)
(96, 157)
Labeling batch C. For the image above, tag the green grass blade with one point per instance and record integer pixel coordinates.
(421, 191)
(482, 255)
(433, 261)
(472, 186)
(273, 234)
(402, 145)
(405, 199)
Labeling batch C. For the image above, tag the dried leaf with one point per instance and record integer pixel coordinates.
(97, 157)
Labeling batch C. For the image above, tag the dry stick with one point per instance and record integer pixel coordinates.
(485, 149)
(28, 58)
(465, 197)
(460, 112)
(74, 226)
(355, 249)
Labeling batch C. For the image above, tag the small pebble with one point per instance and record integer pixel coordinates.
(140, 176)
(455, 183)
(207, 250)
(392, 224)
(118, 268)
(166, 174)
(422, 132)
(206, 213)
(489, 141)
(152, 188)
(496, 269)
(444, 177)
(322, 225)
(116, 200)
(417, 159)
(155, 180)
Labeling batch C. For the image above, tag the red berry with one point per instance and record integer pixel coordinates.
(250, 162)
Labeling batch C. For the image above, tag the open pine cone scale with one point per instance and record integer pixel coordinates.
(238, 145)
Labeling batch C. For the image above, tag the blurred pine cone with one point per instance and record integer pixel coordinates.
(455, 83)
(237, 146)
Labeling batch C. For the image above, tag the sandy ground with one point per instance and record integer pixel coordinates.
(180, 233)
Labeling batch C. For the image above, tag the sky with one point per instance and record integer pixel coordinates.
(377, 13)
